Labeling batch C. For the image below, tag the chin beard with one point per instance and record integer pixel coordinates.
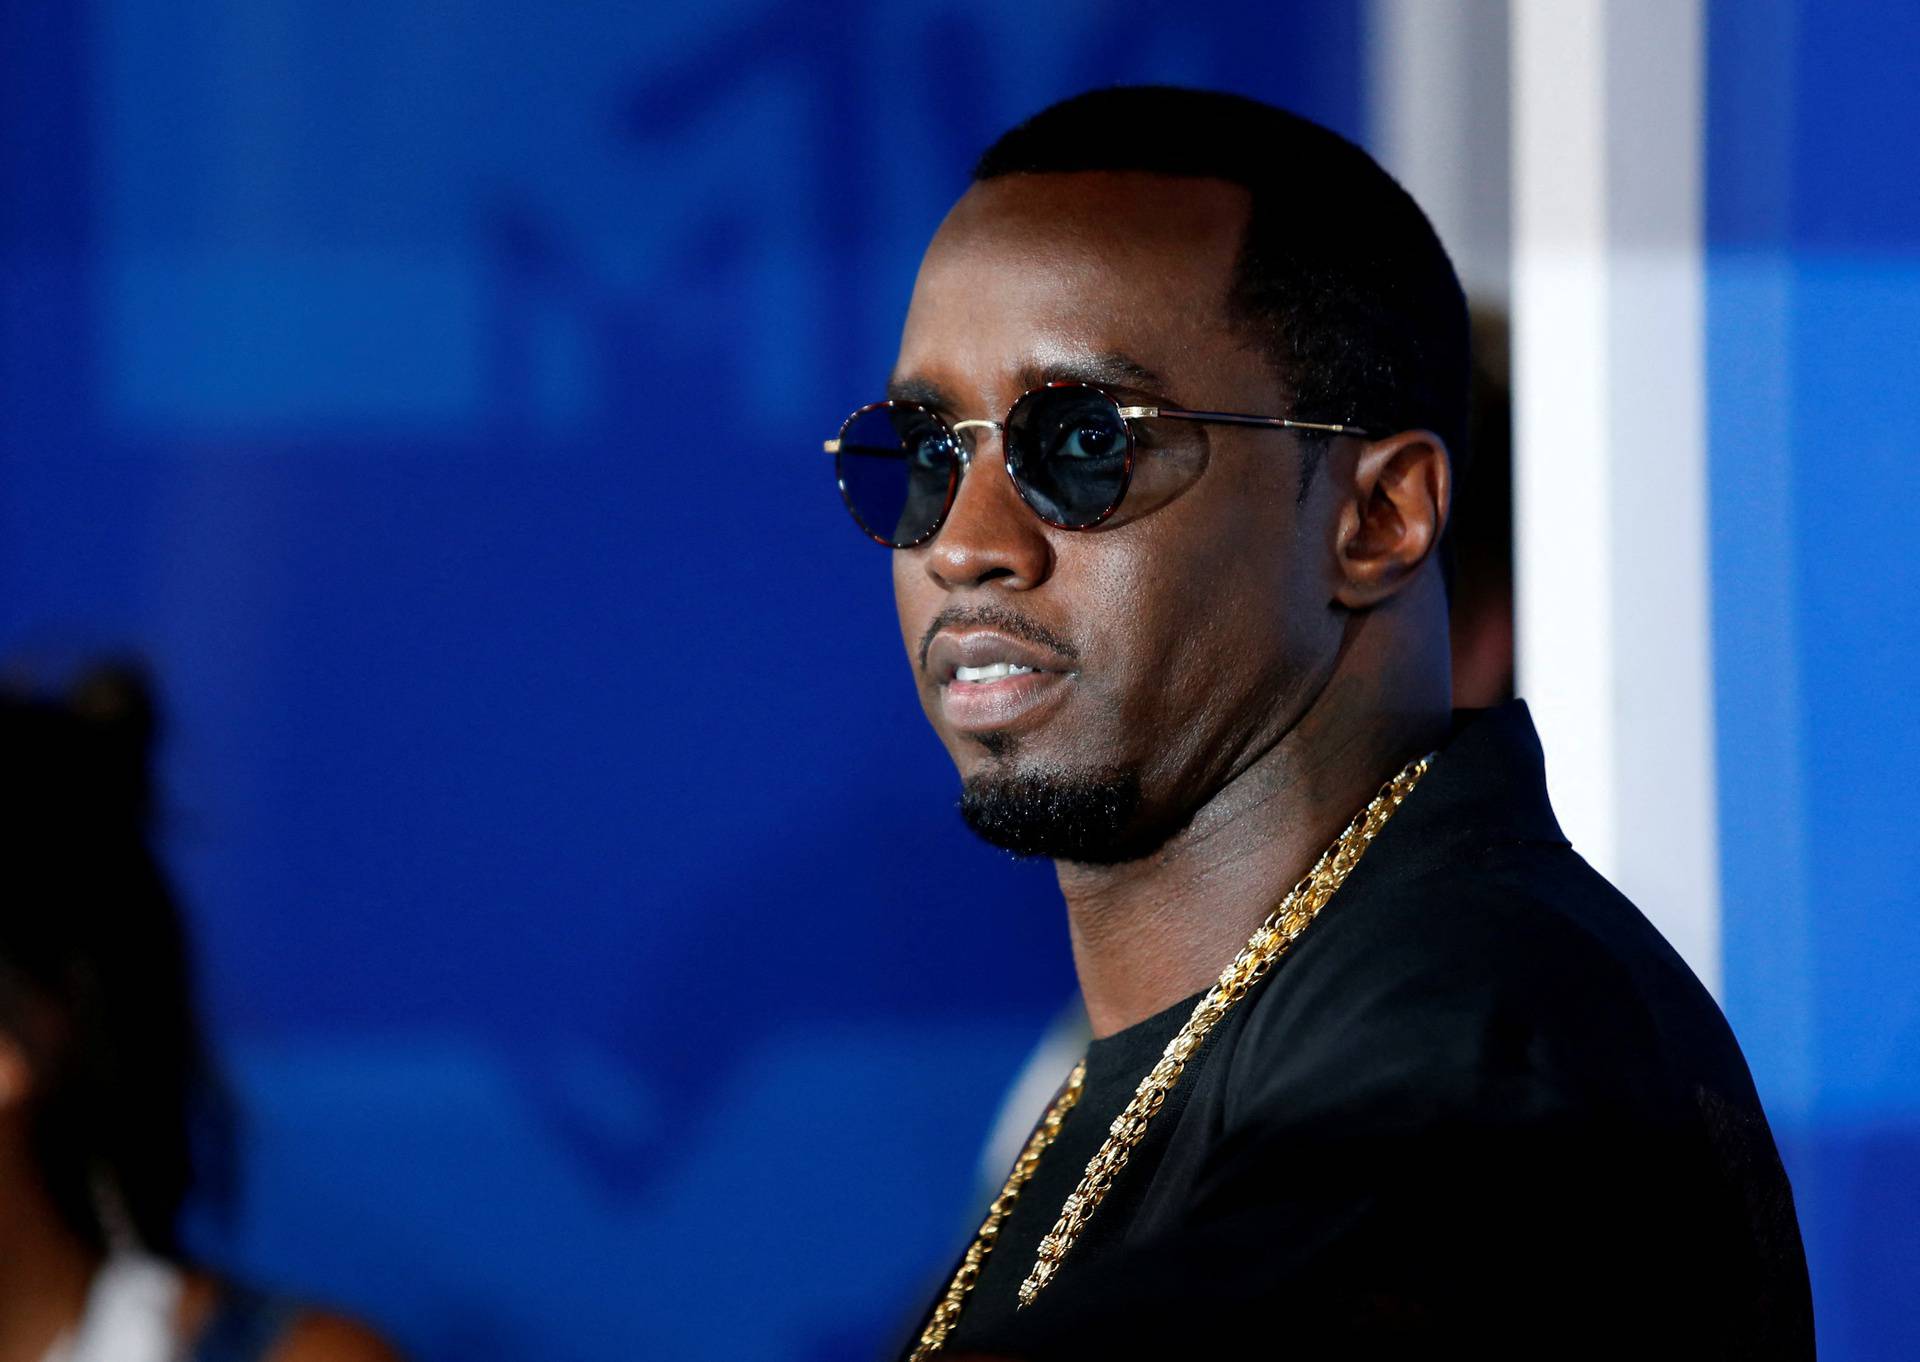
(1092, 817)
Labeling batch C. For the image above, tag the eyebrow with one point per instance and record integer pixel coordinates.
(1109, 369)
(920, 390)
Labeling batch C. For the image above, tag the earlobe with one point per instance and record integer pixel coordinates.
(1392, 516)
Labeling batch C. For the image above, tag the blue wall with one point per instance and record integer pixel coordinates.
(428, 392)
(584, 919)
(1813, 293)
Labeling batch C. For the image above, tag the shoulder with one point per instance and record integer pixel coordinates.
(224, 1318)
(1443, 984)
(1528, 931)
(316, 1336)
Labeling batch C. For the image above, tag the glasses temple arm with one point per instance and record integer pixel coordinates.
(1228, 418)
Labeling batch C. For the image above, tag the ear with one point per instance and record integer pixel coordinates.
(1391, 520)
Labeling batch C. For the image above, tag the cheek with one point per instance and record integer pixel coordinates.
(909, 599)
(1213, 638)
(916, 600)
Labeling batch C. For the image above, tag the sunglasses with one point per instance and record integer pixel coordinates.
(1069, 451)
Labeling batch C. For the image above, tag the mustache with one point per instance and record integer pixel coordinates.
(1000, 618)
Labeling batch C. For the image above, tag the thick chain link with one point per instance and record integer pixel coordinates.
(1270, 941)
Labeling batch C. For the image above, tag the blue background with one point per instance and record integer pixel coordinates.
(433, 394)
(427, 392)
(1813, 365)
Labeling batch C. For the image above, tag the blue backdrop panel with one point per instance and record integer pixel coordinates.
(433, 395)
(1813, 294)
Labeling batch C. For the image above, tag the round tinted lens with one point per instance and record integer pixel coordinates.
(1069, 453)
(896, 466)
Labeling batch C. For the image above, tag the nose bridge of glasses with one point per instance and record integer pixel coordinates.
(967, 445)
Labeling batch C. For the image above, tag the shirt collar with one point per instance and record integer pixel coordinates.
(1487, 786)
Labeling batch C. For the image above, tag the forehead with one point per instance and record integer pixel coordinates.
(1032, 271)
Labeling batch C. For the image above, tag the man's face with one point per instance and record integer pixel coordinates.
(1177, 641)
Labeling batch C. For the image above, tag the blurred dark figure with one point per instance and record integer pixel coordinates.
(1480, 611)
(107, 1108)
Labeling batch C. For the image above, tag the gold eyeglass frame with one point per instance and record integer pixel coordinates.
(1127, 413)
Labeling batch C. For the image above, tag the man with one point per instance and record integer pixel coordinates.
(1165, 469)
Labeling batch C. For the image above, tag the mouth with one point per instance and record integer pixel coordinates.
(990, 682)
(993, 671)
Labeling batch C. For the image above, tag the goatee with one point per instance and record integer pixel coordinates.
(1089, 817)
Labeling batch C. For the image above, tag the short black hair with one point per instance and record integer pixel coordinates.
(1340, 279)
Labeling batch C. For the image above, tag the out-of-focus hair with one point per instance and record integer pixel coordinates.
(94, 978)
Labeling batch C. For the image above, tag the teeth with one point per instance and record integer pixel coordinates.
(993, 671)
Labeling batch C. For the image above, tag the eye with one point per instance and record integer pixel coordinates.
(928, 451)
(924, 443)
(1088, 440)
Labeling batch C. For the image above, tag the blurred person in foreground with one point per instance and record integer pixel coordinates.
(1379, 1063)
(102, 1077)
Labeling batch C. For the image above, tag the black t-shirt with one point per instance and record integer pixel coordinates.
(1115, 1066)
(1482, 1104)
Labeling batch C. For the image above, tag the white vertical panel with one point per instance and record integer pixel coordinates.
(1609, 444)
(1563, 597)
(1437, 96)
(1667, 821)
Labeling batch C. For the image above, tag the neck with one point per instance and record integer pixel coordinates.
(1151, 932)
(45, 1268)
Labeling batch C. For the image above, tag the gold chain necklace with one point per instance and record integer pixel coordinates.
(1271, 940)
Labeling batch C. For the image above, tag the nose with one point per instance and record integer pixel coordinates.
(990, 536)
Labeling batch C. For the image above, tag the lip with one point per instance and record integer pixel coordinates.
(988, 706)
